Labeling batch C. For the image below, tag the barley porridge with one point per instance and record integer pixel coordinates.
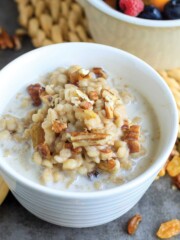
(72, 130)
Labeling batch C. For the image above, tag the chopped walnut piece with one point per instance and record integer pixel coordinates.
(99, 72)
(125, 126)
(44, 150)
(58, 127)
(131, 136)
(176, 181)
(5, 40)
(93, 95)
(35, 90)
(109, 110)
(133, 146)
(84, 139)
(77, 150)
(169, 229)
(107, 165)
(132, 133)
(106, 150)
(68, 146)
(83, 96)
(86, 105)
(133, 224)
(37, 134)
(173, 167)
(78, 75)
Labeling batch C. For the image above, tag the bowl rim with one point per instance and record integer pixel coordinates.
(145, 176)
(105, 8)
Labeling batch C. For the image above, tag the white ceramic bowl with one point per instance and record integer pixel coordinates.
(75, 209)
(156, 42)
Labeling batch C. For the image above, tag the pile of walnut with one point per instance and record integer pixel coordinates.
(9, 42)
(81, 124)
(53, 21)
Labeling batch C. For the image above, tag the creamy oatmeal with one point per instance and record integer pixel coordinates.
(72, 130)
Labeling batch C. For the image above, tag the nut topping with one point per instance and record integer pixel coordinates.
(83, 139)
(99, 72)
(93, 95)
(131, 136)
(107, 165)
(35, 91)
(86, 105)
(58, 127)
(133, 224)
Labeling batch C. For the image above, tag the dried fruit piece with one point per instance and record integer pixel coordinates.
(133, 224)
(173, 167)
(44, 150)
(176, 181)
(35, 91)
(169, 229)
(37, 134)
(58, 127)
(93, 174)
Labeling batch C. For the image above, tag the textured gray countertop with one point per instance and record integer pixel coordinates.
(160, 203)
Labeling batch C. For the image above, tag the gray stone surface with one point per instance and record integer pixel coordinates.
(160, 203)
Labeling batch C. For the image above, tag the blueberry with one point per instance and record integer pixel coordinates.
(172, 10)
(117, 6)
(150, 12)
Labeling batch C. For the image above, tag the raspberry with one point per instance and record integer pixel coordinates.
(131, 7)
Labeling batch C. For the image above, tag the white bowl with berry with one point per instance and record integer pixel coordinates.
(149, 29)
